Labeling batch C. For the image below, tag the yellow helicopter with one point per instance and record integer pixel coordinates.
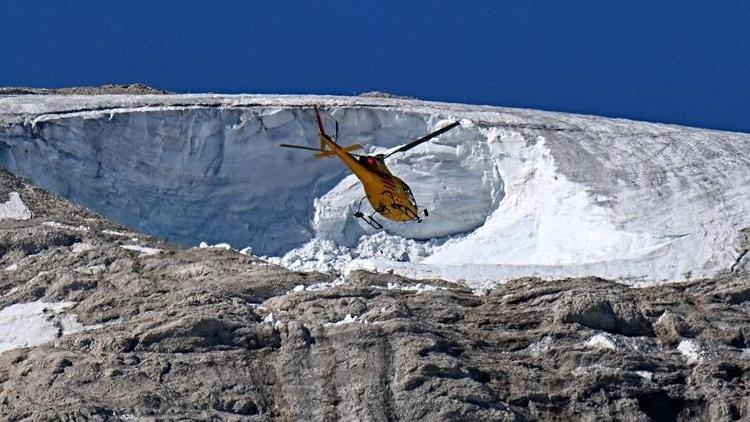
(388, 195)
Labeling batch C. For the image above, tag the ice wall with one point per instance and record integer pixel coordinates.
(511, 192)
(219, 175)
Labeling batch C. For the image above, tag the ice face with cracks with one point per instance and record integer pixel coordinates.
(510, 192)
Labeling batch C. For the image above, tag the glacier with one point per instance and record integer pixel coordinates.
(511, 192)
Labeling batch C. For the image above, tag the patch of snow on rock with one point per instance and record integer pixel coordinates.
(204, 245)
(541, 346)
(419, 287)
(602, 341)
(144, 251)
(269, 319)
(58, 225)
(14, 208)
(79, 247)
(645, 374)
(348, 319)
(116, 233)
(691, 351)
(34, 323)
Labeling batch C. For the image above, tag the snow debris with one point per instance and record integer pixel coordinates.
(691, 351)
(79, 247)
(11, 267)
(116, 233)
(419, 287)
(204, 245)
(601, 341)
(348, 319)
(14, 208)
(316, 255)
(319, 286)
(620, 342)
(326, 285)
(144, 251)
(540, 346)
(269, 319)
(645, 374)
(58, 225)
(481, 290)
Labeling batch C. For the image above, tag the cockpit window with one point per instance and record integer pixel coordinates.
(408, 192)
(369, 162)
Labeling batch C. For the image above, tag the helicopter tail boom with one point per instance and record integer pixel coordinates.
(327, 153)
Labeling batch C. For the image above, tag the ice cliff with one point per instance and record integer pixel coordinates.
(510, 192)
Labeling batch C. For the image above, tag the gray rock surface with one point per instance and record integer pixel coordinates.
(210, 334)
(136, 88)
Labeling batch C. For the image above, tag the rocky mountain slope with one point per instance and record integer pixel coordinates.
(153, 331)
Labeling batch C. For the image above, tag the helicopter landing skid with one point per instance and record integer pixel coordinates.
(369, 219)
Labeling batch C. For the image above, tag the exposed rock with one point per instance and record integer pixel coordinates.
(604, 312)
(381, 94)
(135, 88)
(670, 328)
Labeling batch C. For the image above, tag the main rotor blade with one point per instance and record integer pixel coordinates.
(300, 147)
(423, 139)
(312, 149)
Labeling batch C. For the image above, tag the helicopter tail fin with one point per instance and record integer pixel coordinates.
(326, 143)
(321, 129)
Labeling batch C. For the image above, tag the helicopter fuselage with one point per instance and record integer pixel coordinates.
(387, 194)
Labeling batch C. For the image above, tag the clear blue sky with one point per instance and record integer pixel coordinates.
(685, 62)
